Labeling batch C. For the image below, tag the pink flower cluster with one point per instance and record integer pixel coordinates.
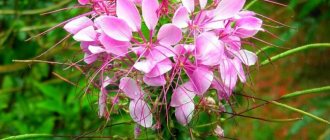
(199, 49)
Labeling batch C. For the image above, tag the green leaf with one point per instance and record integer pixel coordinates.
(49, 91)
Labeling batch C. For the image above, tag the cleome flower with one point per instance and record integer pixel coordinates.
(199, 49)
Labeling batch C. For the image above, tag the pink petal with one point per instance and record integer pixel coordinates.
(185, 113)
(76, 25)
(150, 13)
(233, 42)
(155, 81)
(212, 25)
(83, 2)
(189, 4)
(228, 9)
(95, 49)
(160, 68)
(228, 75)
(130, 88)
(114, 27)
(201, 79)
(119, 48)
(202, 3)
(86, 34)
(239, 70)
(159, 53)
(90, 58)
(182, 95)
(221, 89)
(140, 112)
(84, 46)
(167, 51)
(247, 57)
(209, 49)
(181, 17)
(169, 34)
(242, 14)
(248, 26)
(127, 11)
(138, 2)
(144, 65)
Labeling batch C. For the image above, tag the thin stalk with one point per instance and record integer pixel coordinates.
(300, 111)
(293, 51)
(308, 91)
(35, 11)
(250, 4)
(28, 136)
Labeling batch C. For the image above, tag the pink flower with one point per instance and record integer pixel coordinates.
(138, 108)
(202, 48)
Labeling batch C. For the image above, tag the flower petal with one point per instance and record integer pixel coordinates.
(86, 34)
(228, 9)
(248, 27)
(159, 53)
(90, 58)
(189, 4)
(182, 95)
(201, 79)
(155, 81)
(228, 75)
(113, 46)
(209, 49)
(160, 68)
(130, 88)
(169, 35)
(247, 57)
(221, 89)
(126, 10)
(181, 17)
(114, 27)
(144, 65)
(239, 69)
(150, 13)
(140, 112)
(185, 113)
(202, 3)
(95, 49)
(83, 2)
(76, 25)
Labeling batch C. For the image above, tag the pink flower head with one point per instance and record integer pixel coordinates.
(149, 57)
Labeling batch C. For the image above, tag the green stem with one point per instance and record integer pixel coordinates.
(27, 136)
(295, 50)
(301, 112)
(308, 91)
(263, 49)
(35, 11)
(250, 4)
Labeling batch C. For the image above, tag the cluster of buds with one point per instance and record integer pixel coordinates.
(147, 57)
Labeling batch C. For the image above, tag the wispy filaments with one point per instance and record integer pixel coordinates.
(200, 49)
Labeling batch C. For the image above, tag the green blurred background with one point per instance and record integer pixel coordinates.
(35, 99)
